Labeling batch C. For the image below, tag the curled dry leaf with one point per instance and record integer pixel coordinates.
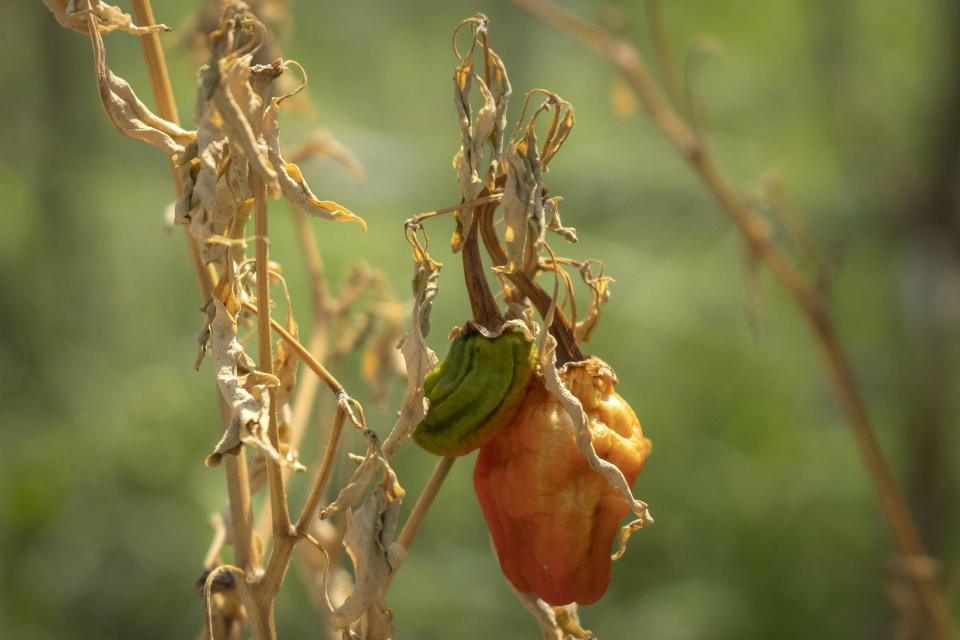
(555, 225)
(556, 623)
(244, 388)
(127, 113)
(294, 187)
(599, 294)
(484, 129)
(523, 214)
(72, 14)
(369, 542)
(524, 208)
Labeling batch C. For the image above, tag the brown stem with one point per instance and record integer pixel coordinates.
(429, 494)
(567, 349)
(332, 383)
(631, 64)
(484, 307)
(278, 500)
(326, 468)
(420, 509)
(265, 591)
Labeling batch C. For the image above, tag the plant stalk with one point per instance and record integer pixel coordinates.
(238, 486)
(420, 509)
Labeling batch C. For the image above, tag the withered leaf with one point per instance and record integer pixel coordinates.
(292, 184)
(555, 225)
(127, 113)
(599, 295)
(244, 388)
(240, 106)
(72, 14)
(369, 542)
(523, 214)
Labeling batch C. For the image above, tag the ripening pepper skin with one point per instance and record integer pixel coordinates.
(553, 519)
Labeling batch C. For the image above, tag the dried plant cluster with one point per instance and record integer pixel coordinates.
(554, 427)
(224, 170)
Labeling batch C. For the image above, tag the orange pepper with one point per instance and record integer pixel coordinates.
(553, 519)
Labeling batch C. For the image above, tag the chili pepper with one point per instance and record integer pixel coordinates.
(553, 519)
(475, 391)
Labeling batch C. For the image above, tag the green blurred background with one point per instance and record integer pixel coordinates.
(767, 525)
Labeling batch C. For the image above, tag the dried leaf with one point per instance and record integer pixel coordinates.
(291, 181)
(555, 225)
(476, 132)
(501, 90)
(240, 106)
(72, 14)
(369, 541)
(244, 388)
(524, 225)
(559, 130)
(130, 116)
(599, 295)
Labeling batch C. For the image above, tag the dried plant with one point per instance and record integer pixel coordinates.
(559, 449)
(224, 170)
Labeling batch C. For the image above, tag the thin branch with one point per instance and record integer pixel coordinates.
(420, 217)
(326, 468)
(814, 307)
(332, 383)
(412, 525)
(420, 509)
(665, 61)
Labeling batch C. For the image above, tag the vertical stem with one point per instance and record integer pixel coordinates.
(278, 498)
(238, 493)
(283, 536)
(167, 109)
(238, 486)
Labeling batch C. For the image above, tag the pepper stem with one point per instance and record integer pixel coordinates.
(484, 307)
(567, 349)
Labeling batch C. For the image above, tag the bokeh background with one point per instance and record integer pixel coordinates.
(767, 525)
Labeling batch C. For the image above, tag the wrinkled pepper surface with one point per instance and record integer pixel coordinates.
(553, 519)
(475, 391)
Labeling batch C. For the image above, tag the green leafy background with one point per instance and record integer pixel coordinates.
(767, 524)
